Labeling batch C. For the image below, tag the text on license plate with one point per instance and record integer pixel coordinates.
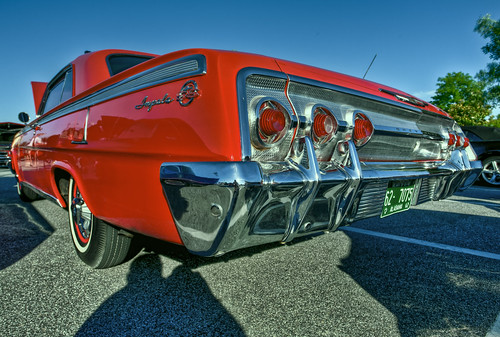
(397, 199)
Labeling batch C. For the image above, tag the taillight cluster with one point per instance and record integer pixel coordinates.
(274, 122)
(456, 141)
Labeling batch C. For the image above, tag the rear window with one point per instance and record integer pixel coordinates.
(59, 90)
(120, 62)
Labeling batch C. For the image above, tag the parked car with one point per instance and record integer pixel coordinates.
(7, 132)
(486, 143)
(219, 150)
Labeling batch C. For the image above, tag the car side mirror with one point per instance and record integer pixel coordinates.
(24, 117)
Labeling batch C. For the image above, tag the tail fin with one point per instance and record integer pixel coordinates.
(38, 91)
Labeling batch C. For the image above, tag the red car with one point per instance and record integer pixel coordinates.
(218, 151)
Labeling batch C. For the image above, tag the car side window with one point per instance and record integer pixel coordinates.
(120, 62)
(60, 90)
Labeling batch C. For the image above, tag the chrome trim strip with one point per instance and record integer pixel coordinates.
(184, 67)
(84, 140)
(41, 193)
(362, 94)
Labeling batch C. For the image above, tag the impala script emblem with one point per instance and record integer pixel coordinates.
(188, 93)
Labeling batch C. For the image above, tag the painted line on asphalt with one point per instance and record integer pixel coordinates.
(495, 329)
(481, 203)
(423, 243)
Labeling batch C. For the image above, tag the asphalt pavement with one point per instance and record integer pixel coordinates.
(433, 270)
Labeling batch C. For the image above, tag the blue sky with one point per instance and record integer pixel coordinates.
(415, 41)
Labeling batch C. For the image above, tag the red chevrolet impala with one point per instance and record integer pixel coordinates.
(218, 150)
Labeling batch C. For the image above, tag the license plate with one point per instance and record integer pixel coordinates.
(397, 199)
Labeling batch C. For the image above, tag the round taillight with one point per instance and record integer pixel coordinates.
(363, 129)
(452, 140)
(324, 126)
(272, 122)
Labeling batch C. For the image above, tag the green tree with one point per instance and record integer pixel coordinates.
(463, 98)
(490, 30)
(494, 121)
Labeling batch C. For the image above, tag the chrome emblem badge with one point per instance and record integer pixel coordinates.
(188, 93)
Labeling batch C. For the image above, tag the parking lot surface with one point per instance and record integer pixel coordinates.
(433, 270)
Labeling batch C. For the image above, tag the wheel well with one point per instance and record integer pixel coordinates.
(62, 178)
(489, 154)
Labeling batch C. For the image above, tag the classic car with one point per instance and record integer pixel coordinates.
(485, 140)
(7, 132)
(218, 150)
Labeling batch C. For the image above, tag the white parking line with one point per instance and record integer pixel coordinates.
(423, 243)
(482, 203)
(495, 329)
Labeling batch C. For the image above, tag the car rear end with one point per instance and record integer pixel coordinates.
(316, 155)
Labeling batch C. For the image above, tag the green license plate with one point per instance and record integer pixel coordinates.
(397, 199)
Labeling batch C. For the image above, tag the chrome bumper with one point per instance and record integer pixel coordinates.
(222, 206)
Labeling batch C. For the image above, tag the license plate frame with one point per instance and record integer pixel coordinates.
(398, 198)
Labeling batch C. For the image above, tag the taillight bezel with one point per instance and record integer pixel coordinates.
(318, 138)
(362, 118)
(260, 139)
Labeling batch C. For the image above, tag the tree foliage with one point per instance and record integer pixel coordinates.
(470, 101)
(490, 30)
(463, 98)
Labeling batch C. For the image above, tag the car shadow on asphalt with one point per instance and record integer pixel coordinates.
(22, 228)
(181, 304)
(425, 288)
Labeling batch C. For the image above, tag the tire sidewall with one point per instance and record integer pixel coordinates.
(87, 252)
(486, 162)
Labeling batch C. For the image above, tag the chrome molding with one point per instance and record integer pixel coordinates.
(84, 140)
(184, 67)
(362, 94)
(41, 193)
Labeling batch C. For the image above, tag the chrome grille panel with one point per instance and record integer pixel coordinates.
(427, 190)
(372, 200)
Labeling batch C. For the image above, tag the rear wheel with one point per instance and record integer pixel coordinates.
(97, 243)
(491, 171)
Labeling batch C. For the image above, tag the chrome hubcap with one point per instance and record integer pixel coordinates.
(82, 216)
(491, 172)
